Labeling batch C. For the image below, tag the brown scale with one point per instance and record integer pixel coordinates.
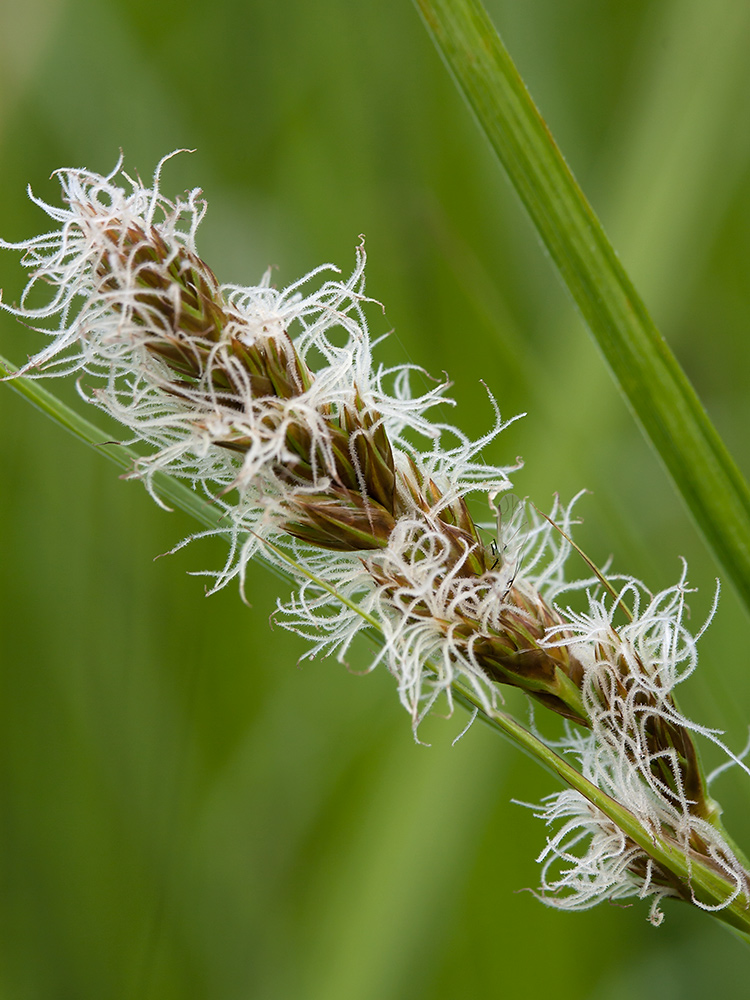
(182, 300)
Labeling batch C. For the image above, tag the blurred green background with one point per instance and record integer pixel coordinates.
(185, 813)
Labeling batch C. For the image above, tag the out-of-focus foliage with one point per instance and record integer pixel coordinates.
(185, 813)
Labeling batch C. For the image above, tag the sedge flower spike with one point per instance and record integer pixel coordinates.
(210, 378)
(204, 373)
(640, 751)
(270, 403)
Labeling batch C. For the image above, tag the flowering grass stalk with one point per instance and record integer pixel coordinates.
(270, 405)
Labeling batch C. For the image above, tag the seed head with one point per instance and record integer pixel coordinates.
(270, 403)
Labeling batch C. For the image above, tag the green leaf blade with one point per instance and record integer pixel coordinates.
(655, 387)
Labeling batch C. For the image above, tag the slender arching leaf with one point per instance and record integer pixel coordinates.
(652, 381)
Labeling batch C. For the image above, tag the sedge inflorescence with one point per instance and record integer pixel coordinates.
(270, 403)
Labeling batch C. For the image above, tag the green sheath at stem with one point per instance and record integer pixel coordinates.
(707, 886)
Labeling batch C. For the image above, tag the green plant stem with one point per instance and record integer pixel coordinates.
(653, 383)
(707, 886)
(169, 490)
